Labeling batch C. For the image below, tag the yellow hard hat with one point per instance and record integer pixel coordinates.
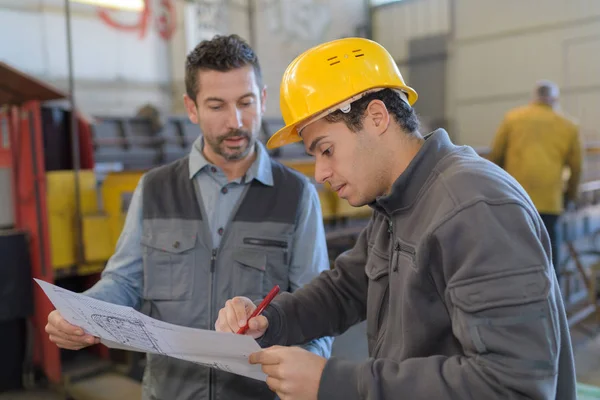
(329, 77)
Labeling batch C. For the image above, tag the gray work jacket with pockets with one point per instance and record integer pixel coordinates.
(187, 281)
(453, 275)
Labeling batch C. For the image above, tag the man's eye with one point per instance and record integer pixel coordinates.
(327, 152)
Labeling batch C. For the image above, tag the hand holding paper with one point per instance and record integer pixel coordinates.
(67, 336)
(124, 328)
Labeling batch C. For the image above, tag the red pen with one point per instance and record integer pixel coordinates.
(263, 304)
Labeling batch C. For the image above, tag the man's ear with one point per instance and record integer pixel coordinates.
(263, 100)
(377, 117)
(190, 107)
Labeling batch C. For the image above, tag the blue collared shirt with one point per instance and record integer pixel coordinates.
(219, 195)
(122, 279)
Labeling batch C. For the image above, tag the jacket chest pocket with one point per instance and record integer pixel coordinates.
(403, 257)
(262, 263)
(169, 260)
(249, 276)
(377, 271)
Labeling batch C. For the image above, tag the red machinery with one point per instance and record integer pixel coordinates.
(22, 153)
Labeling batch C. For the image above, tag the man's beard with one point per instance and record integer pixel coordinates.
(219, 146)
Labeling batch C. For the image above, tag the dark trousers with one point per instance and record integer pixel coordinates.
(551, 222)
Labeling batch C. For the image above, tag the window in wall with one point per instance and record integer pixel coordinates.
(375, 3)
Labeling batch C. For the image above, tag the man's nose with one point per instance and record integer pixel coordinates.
(234, 120)
(322, 171)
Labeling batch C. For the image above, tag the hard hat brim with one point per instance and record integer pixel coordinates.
(286, 135)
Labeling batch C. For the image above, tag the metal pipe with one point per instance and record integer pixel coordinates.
(252, 24)
(36, 191)
(369, 19)
(74, 141)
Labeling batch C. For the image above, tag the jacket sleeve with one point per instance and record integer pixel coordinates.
(309, 255)
(327, 306)
(574, 161)
(498, 149)
(503, 301)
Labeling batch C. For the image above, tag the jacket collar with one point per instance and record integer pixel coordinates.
(409, 184)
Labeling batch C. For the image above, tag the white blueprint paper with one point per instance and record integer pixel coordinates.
(127, 329)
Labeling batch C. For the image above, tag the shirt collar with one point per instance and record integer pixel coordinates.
(259, 170)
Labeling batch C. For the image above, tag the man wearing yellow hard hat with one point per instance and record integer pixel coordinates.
(453, 273)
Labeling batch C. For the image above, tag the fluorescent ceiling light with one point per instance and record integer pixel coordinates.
(376, 3)
(129, 5)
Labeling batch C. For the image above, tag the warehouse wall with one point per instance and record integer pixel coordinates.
(394, 25)
(417, 34)
(116, 72)
(502, 48)
(496, 51)
(284, 29)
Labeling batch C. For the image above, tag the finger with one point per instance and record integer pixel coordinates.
(274, 384)
(222, 325)
(87, 340)
(241, 310)
(231, 316)
(269, 356)
(83, 339)
(67, 344)
(272, 370)
(56, 320)
(258, 324)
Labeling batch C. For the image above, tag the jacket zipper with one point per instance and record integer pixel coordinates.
(269, 243)
(385, 297)
(213, 265)
(400, 248)
(213, 262)
(382, 327)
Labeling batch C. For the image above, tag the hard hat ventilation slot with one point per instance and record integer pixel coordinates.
(357, 51)
(331, 60)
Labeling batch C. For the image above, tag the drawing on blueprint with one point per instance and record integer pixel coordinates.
(131, 332)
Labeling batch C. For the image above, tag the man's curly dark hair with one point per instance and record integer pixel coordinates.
(404, 114)
(221, 53)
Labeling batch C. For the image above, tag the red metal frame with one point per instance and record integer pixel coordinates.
(25, 157)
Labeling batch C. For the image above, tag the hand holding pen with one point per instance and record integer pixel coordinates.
(241, 316)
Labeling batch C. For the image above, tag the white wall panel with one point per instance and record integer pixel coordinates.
(503, 48)
(286, 28)
(283, 29)
(29, 52)
(478, 18)
(395, 24)
(475, 124)
(115, 71)
(506, 66)
(582, 61)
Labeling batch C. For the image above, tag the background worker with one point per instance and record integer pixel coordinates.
(225, 221)
(534, 144)
(452, 274)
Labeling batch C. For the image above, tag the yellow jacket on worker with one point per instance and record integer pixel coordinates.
(534, 144)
